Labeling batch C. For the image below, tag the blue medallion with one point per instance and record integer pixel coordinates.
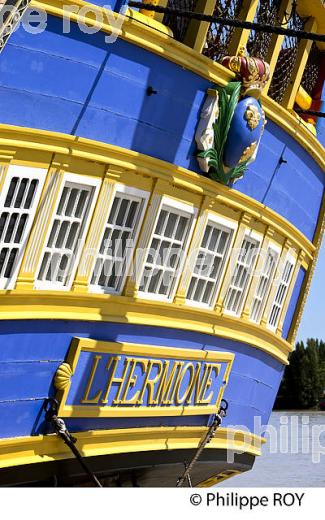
(244, 133)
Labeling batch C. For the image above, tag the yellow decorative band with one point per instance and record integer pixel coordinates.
(105, 165)
(118, 309)
(32, 147)
(32, 450)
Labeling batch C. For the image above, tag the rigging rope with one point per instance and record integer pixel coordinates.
(310, 113)
(206, 439)
(51, 410)
(302, 35)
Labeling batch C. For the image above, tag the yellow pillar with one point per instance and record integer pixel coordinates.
(297, 73)
(152, 14)
(197, 31)
(6, 156)
(276, 41)
(39, 231)
(240, 36)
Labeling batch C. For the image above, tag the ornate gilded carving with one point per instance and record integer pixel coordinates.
(235, 64)
(254, 73)
(62, 376)
(248, 152)
(252, 116)
(226, 146)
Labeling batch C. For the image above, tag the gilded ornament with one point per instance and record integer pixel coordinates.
(252, 116)
(235, 64)
(62, 376)
(248, 152)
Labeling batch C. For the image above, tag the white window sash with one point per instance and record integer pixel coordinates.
(275, 250)
(182, 209)
(221, 224)
(143, 197)
(286, 285)
(21, 172)
(80, 181)
(254, 238)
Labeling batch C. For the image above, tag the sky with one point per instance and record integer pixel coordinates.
(313, 321)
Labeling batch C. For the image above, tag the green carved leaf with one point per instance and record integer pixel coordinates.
(228, 100)
(208, 153)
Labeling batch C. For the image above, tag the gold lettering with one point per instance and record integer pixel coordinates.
(150, 383)
(86, 399)
(163, 388)
(197, 384)
(113, 361)
(180, 400)
(166, 383)
(201, 384)
(131, 381)
(208, 383)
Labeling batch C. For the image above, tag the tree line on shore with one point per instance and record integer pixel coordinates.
(303, 383)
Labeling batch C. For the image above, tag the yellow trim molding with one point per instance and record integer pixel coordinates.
(62, 305)
(27, 144)
(31, 450)
(308, 278)
(220, 477)
(143, 32)
(118, 165)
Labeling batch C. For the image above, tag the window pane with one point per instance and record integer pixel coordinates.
(281, 294)
(67, 228)
(243, 272)
(264, 285)
(165, 252)
(211, 258)
(17, 206)
(117, 243)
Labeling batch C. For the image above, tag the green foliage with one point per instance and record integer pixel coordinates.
(228, 99)
(303, 383)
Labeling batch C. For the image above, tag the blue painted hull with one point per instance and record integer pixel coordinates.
(31, 352)
(102, 95)
(78, 85)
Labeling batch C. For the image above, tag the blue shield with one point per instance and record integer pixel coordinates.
(244, 133)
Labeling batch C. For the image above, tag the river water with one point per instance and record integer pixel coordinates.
(293, 456)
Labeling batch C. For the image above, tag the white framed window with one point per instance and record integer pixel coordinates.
(118, 240)
(18, 203)
(264, 283)
(281, 292)
(213, 254)
(242, 274)
(67, 232)
(166, 252)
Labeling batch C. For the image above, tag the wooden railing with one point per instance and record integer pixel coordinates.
(287, 56)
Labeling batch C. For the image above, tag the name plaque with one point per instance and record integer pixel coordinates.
(106, 379)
